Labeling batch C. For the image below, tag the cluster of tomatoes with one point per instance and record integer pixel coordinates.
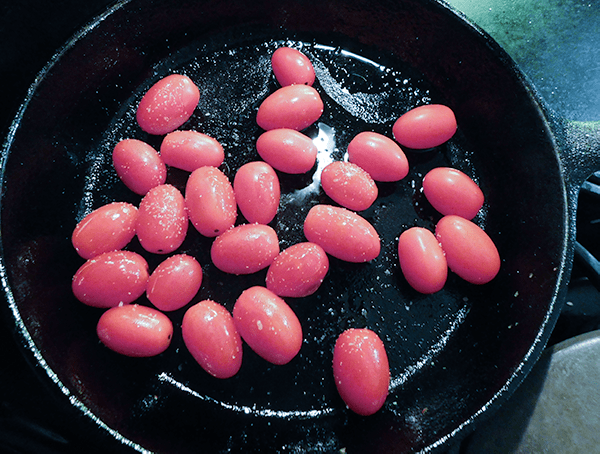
(112, 277)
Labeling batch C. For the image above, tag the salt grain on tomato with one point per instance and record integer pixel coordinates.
(211, 337)
(135, 330)
(168, 104)
(361, 370)
(108, 228)
(268, 325)
(425, 127)
(469, 250)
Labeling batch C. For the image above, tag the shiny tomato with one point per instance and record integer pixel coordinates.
(298, 271)
(138, 165)
(294, 107)
(108, 228)
(469, 250)
(291, 66)
(257, 191)
(451, 191)
(361, 370)
(134, 330)
(245, 249)
(425, 127)
(287, 150)
(110, 279)
(422, 260)
(379, 155)
(174, 282)
(162, 221)
(190, 150)
(168, 104)
(268, 325)
(212, 339)
(210, 201)
(349, 185)
(342, 233)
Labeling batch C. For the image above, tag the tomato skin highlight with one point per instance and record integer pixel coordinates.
(349, 185)
(211, 337)
(245, 249)
(108, 228)
(268, 325)
(257, 192)
(210, 201)
(451, 191)
(294, 107)
(422, 260)
(287, 150)
(135, 330)
(298, 271)
(190, 150)
(361, 370)
(110, 279)
(138, 165)
(168, 104)
(379, 155)
(291, 66)
(162, 221)
(174, 282)
(469, 251)
(342, 233)
(425, 127)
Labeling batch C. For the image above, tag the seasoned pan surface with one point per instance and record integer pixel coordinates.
(452, 355)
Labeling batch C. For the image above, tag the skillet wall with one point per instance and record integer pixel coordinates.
(514, 157)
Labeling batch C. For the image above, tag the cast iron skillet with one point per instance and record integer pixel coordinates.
(454, 356)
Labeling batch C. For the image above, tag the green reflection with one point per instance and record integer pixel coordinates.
(555, 42)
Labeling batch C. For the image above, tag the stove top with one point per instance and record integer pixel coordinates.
(555, 42)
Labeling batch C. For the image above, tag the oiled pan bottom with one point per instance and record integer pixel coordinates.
(361, 92)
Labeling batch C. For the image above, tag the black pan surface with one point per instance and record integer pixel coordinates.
(452, 355)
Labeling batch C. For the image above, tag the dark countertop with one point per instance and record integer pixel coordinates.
(556, 43)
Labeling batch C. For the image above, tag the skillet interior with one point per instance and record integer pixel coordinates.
(450, 354)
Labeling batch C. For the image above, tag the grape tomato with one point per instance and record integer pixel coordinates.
(425, 127)
(361, 370)
(174, 282)
(268, 325)
(291, 66)
(257, 191)
(451, 191)
(168, 104)
(135, 330)
(342, 233)
(422, 260)
(470, 252)
(210, 201)
(287, 150)
(110, 279)
(379, 155)
(349, 185)
(108, 228)
(298, 271)
(245, 249)
(190, 150)
(162, 221)
(294, 107)
(211, 337)
(138, 165)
